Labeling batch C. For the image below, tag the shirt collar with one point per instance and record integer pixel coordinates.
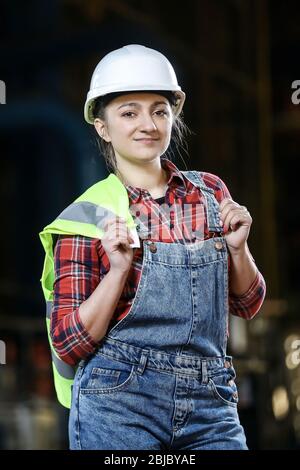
(176, 180)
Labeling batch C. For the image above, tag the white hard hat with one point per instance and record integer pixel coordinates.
(132, 68)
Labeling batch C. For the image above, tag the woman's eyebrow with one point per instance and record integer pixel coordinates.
(137, 105)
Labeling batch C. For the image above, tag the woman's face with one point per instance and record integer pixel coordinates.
(138, 125)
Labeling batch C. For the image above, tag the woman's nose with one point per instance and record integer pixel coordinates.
(147, 123)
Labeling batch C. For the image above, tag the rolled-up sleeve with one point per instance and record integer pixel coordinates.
(248, 304)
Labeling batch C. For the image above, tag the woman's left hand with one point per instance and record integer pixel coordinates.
(236, 224)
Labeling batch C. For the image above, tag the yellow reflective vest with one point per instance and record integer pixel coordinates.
(85, 216)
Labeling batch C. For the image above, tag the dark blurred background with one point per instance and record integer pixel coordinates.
(236, 60)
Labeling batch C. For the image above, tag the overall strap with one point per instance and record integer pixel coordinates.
(212, 206)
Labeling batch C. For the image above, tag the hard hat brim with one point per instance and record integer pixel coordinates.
(96, 93)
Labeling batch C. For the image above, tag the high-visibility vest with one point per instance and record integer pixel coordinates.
(85, 216)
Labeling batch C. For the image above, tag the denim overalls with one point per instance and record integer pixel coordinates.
(161, 379)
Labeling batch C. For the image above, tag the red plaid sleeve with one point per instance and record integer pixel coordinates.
(77, 274)
(248, 304)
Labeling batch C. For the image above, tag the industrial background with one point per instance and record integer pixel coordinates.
(236, 60)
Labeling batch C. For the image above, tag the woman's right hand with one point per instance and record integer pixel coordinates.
(115, 241)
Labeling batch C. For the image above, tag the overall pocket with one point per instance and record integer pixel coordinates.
(105, 374)
(224, 388)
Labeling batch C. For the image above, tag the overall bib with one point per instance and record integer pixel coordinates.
(161, 379)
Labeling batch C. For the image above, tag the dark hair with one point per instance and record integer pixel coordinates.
(179, 128)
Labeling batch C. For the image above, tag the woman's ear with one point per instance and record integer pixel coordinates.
(101, 129)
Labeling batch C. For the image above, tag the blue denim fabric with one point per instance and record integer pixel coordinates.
(161, 378)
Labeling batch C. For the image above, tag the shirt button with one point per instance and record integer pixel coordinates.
(218, 245)
(153, 248)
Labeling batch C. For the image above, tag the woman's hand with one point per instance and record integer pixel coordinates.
(116, 241)
(236, 222)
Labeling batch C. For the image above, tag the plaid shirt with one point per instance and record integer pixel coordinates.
(80, 264)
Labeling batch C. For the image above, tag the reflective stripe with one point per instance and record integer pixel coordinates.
(65, 370)
(86, 212)
(49, 304)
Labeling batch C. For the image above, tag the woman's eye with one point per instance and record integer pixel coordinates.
(129, 113)
(162, 112)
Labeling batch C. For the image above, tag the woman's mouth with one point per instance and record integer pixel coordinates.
(147, 141)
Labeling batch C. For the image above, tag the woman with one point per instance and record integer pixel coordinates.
(145, 319)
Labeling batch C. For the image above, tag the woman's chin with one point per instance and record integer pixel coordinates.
(147, 155)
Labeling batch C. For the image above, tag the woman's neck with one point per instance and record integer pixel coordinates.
(153, 179)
